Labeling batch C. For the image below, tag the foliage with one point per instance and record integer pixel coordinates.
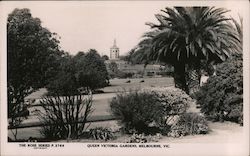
(64, 82)
(195, 32)
(114, 72)
(85, 71)
(187, 35)
(105, 57)
(189, 124)
(113, 67)
(134, 56)
(64, 117)
(100, 133)
(121, 75)
(91, 70)
(221, 98)
(137, 110)
(32, 53)
(174, 100)
(142, 138)
(150, 110)
(137, 138)
(78, 75)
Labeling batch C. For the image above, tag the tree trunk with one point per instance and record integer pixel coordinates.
(193, 79)
(180, 77)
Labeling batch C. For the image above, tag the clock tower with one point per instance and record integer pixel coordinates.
(114, 52)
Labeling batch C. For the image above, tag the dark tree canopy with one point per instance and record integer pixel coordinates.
(91, 70)
(32, 51)
(31, 48)
(105, 57)
(85, 70)
(64, 81)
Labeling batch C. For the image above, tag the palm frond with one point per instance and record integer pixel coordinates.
(189, 33)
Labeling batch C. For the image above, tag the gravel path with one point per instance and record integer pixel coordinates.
(225, 132)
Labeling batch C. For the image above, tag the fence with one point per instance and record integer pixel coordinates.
(91, 119)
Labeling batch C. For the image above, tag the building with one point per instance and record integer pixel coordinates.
(137, 69)
(114, 52)
(114, 56)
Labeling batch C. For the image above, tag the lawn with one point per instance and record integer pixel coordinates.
(219, 132)
(100, 101)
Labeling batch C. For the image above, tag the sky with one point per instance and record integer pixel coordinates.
(83, 25)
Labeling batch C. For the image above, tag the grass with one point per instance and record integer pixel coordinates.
(221, 132)
(120, 84)
(100, 101)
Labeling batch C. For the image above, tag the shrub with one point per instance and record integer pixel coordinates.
(148, 111)
(64, 117)
(174, 100)
(189, 124)
(137, 138)
(100, 133)
(221, 98)
(137, 110)
(123, 75)
(142, 138)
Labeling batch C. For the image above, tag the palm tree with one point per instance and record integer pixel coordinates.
(187, 35)
(140, 53)
(239, 29)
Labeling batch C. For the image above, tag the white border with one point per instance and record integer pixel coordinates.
(175, 149)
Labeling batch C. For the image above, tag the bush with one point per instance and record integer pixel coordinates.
(174, 100)
(137, 138)
(221, 98)
(189, 124)
(175, 103)
(64, 117)
(100, 133)
(123, 75)
(148, 111)
(142, 138)
(137, 110)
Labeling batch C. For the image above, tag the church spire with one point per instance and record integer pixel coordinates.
(114, 42)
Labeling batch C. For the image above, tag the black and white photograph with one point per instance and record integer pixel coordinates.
(124, 77)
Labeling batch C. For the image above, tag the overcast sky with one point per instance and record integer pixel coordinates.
(85, 25)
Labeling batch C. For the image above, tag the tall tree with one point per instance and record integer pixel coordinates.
(91, 71)
(187, 35)
(32, 51)
(83, 71)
